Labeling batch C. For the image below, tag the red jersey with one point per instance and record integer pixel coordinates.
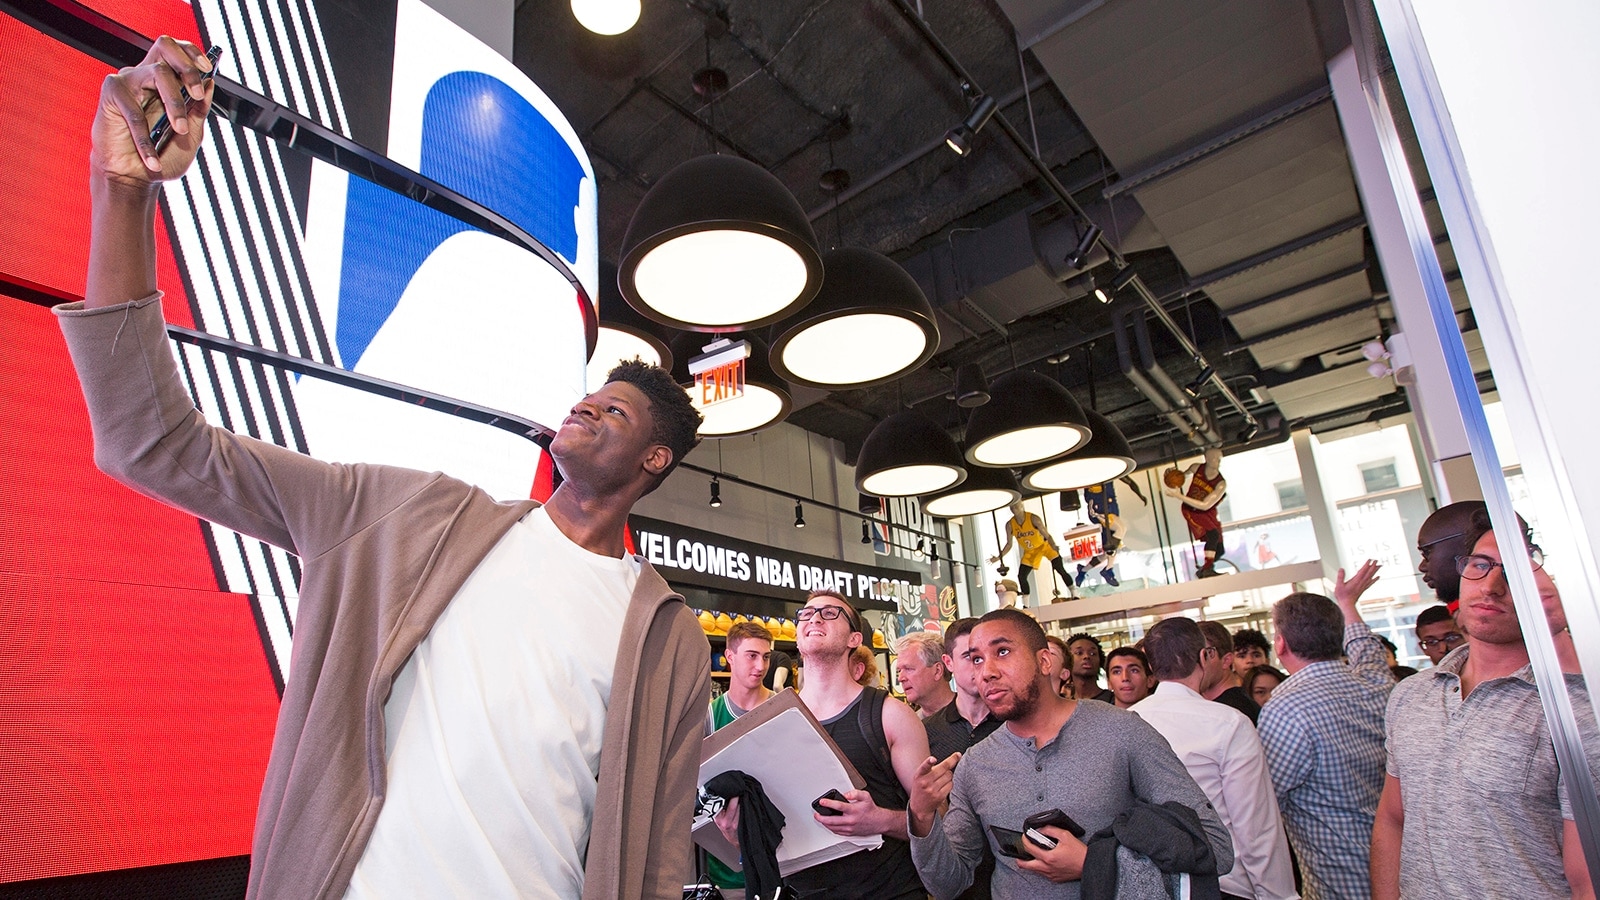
(1202, 520)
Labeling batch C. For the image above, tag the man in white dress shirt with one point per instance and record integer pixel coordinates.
(1219, 747)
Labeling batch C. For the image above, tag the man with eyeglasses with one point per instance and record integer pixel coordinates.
(881, 737)
(1437, 633)
(1474, 804)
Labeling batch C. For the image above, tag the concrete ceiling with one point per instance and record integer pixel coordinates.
(1200, 135)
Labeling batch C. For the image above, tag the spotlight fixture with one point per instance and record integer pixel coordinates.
(799, 515)
(972, 389)
(765, 401)
(1248, 433)
(1080, 253)
(1071, 501)
(1101, 295)
(1123, 278)
(933, 553)
(623, 333)
(606, 16)
(922, 548)
(1198, 384)
(716, 493)
(866, 532)
(869, 323)
(719, 244)
(908, 454)
(1106, 456)
(960, 137)
(985, 490)
(868, 505)
(1030, 419)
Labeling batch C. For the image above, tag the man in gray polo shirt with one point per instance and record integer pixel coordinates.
(1089, 760)
(1473, 802)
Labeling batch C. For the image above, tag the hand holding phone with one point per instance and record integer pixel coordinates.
(1052, 817)
(834, 795)
(162, 130)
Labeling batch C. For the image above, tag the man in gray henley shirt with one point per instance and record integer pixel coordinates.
(1084, 757)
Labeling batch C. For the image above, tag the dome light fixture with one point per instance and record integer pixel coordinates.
(606, 16)
(623, 334)
(765, 401)
(1106, 456)
(906, 455)
(985, 490)
(870, 323)
(719, 244)
(1028, 419)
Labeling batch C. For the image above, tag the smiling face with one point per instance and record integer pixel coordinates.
(1011, 678)
(605, 442)
(821, 638)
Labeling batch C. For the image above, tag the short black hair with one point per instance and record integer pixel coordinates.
(1032, 634)
(677, 422)
(1174, 645)
(1434, 615)
(1249, 637)
(1387, 643)
(1086, 636)
(1311, 625)
(1130, 650)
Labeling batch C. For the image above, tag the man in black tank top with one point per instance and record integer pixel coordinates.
(882, 738)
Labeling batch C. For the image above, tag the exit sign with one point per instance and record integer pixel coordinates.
(719, 372)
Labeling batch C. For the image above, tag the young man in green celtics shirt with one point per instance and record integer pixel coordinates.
(749, 651)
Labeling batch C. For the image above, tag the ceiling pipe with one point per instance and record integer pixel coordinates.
(910, 14)
(1138, 364)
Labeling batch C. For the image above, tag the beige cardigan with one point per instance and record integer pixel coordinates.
(384, 550)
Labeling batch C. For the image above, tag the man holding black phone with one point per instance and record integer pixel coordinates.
(1065, 762)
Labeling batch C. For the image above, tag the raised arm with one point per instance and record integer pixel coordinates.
(126, 172)
(1365, 652)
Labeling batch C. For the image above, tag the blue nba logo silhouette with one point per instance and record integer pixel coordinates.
(481, 138)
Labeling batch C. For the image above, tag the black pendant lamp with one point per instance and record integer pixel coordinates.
(719, 244)
(1029, 418)
(907, 455)
(870, 323)
(766, 398)
(623, 333)
(985, 490)
(1104, 457)
(972, 389)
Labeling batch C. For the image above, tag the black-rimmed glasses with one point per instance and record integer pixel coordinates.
(825, 613)
(1449, 641)
(1475, 567)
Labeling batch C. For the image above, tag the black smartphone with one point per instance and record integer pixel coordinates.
(1052, 817)
(1009, 842)
(162, 130)
(832, 794)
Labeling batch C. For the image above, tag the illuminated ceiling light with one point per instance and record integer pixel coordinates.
(1106, 456)
(869, 323)
(799, 515)
(623, 334)
(719, 244)
(960, 137)
(908, 455)
(1101, 295)
(716, 493)
(606, 16)
(1028, 419)
(972, 389)
(766, 398)
(985, 490)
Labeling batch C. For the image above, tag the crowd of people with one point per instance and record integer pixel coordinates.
(1201, 766)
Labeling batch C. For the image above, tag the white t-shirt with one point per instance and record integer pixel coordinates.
(494, 726)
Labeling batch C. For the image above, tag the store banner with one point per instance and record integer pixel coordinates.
(690, 556)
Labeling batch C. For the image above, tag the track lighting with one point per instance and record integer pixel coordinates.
(1198, 384)
(1123, 278)
(716, 492)
(799, 515)
(1080, 253)
(922, 547)
(866, 532)
(960, 137)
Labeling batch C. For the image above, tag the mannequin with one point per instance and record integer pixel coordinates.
(1206, 488)
(1101, 502)
(1005, 593)
(1035, 546)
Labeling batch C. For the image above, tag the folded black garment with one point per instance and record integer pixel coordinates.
(760, 832)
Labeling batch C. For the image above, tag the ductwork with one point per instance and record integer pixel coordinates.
(1138, 363)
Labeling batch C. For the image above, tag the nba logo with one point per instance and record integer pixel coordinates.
(421, 299)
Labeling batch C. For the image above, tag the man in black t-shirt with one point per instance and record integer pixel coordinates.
(961, 725)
